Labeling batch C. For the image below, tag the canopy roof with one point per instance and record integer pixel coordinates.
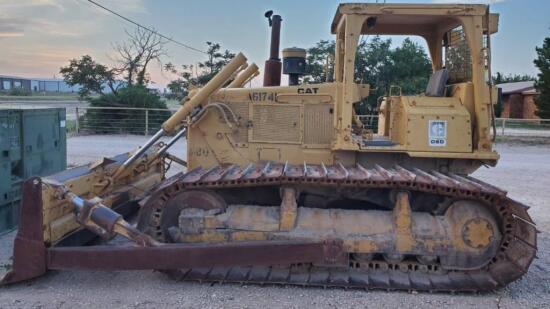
(409, 19)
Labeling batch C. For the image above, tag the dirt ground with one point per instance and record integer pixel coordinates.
(523, 171)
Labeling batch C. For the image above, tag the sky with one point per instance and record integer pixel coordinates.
(37, 37)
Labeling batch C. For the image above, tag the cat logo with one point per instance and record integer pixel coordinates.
(437, 133)
(307, 90)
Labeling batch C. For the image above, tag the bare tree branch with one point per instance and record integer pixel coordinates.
(136, 54)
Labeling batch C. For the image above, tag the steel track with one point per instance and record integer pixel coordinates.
(517, 249)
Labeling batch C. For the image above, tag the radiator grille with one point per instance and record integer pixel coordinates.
(276, 123)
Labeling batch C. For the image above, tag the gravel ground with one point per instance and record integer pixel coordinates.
(85, 149)
(517, 172)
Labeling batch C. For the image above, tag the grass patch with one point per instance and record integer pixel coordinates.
(70, 126)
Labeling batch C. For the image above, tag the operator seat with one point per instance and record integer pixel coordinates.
(437, 83)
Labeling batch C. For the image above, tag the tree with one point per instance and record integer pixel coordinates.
(134, 55)
(373, 66)
(320, 62)
(406, 66)
(196, 76)
(179, 87)
(542, 62)
(128, 121)
(90, 75)
(500, 78)
(372, 59)
(410, 67)
(216, 61)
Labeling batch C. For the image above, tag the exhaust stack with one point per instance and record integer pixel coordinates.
(272, 71)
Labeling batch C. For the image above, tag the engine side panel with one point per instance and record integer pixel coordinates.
(300, 124)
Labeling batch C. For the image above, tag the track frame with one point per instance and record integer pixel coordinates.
(515, 252)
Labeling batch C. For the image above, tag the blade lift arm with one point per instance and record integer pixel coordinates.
(171, 124)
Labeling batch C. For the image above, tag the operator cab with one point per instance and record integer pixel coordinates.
(457, 37)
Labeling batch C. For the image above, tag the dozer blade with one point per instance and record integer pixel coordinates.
(29, 251)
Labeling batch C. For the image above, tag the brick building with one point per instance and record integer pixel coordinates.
(518, 100)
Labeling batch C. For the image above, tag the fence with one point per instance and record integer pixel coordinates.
(523, 127)
(119, 120)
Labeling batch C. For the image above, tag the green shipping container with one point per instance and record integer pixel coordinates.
(32, 143)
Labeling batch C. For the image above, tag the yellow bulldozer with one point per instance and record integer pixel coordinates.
(285, 186)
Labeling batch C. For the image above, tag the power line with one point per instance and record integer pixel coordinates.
(146, 28)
